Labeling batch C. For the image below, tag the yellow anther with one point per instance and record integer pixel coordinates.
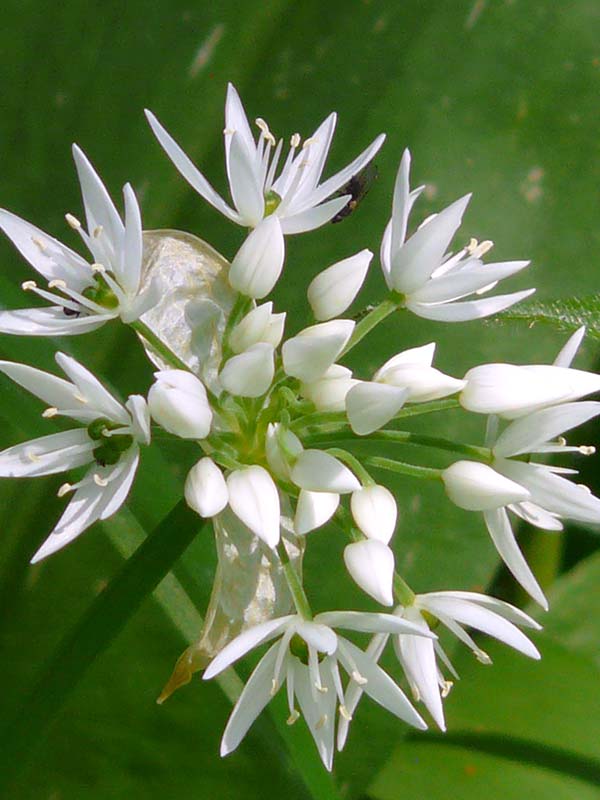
(97, 231)
(73, 222)
(293, 717)
(32, 456)
(360, 679)
(482, 657)
(57, 283)
(587, 450)
(80, 397)
(99, 480)
(345, 713)
(295, 140)
(322, 722)
(28, 286)
(39, 244)
(64, 489)
(52, 411)
(98, 268)
(446, 688)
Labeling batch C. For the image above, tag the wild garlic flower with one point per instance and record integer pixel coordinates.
(424, 660)
(432, 281)
(295, 196)
(307, 658)
(109, 442)
(83, 294)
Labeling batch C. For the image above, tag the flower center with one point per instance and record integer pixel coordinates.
(101, 293)
(272, 201)
(110, 446)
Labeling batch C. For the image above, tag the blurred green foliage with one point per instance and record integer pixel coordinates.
(496, 97)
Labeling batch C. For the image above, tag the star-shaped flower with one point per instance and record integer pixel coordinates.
(109, 442)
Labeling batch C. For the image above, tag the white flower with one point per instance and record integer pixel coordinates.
(259, 325)
(250, 374)
(370, 405)
(253, 497)
(296, 197)
(375, 512)
(310, 353)
(307, 659)
(83, 295)
(205, 488)
(433, 282)
(412, 371)
(512, 391)
(419, 656)
(318, 471)
(314, 509)
(478, 487)
(110, 442)
(257, 265)
(177, 401)
(329, 392)
(334, 289)
(371, 565)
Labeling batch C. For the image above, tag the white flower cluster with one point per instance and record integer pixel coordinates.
(267, 426)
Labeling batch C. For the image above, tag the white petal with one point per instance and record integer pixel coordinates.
(319, 716)
(569, 351)
(120, 477)
(482, 619)
(371, 623)
(249, 374)
(375, 512)
(258, 263)
(553, 493)
(49, 322)
(317, 635)
(189, 171)
(334, 289)
(417, 656)
(370, 405)
(469, 309)
(253, 498)
(54, 391)
(246, 191)
(329, 392)
(537, 516)
(401, 203)
(314, 509)
(140, 418)
(259, 325)
(478, 487)
(504, 540)
(98, 398)
(415, 356)
(242, 644)
(421, 383)
(456, 284)
(47, 455)
(414, 262)
(129, 276)
(205, 489)
(236, 121)
(313, 218)
(526, 433)
(312, 161)
(379, 686)
(253, 699)
(371, 565)
(47, 255)
(99, 208)
(318, 471)
(309, 355)
(508, 611)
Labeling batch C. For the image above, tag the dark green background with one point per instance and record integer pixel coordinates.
(499, 98)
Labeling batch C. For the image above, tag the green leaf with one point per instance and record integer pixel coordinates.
(566, 314)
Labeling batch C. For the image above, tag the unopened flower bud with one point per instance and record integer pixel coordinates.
(334, 289)
(258, 263)
(254, 499)
(375, 512)
(205, 488)
(249, 374)
(412, 371)
(314, 509)
(282, 448)
(478, 487)
(309, 355)
(328, 393)
(370, 405)
(259, 325)
(318, 471)
(178, 402)
(371, 565)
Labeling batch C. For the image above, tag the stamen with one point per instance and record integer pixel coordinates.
(562, 441)
(52, 411)
(415, 692)
(309, 141)
(57, 283)
(293, 717)
(39, 244)
(345, 713)
(446, 688)
(472, 246)
(100, 481)
(29, 286)
(228, 131)
(98, 268)
(360, 679)
(73, 222)
(321, 722)
(80, 397)
(482, 656)
(320, 688)
(97, 231)
(264, 129)
(483, 248)
(32, 456)
(64, 489)
(274, 687)
(587, 450)
(295, 140)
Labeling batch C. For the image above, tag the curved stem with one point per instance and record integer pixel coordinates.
(373, 318)
(403, 469)
(163, 350)
(354, 464)
(294, 584)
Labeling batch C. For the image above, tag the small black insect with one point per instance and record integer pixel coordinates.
(357, 187)
(70, 312)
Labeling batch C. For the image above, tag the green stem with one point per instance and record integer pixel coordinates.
(163, 350)
(373, 318)
(319, 418)
(403, 469)
(294, 584)
(354, 464)
(404, 594)
(406, 437)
